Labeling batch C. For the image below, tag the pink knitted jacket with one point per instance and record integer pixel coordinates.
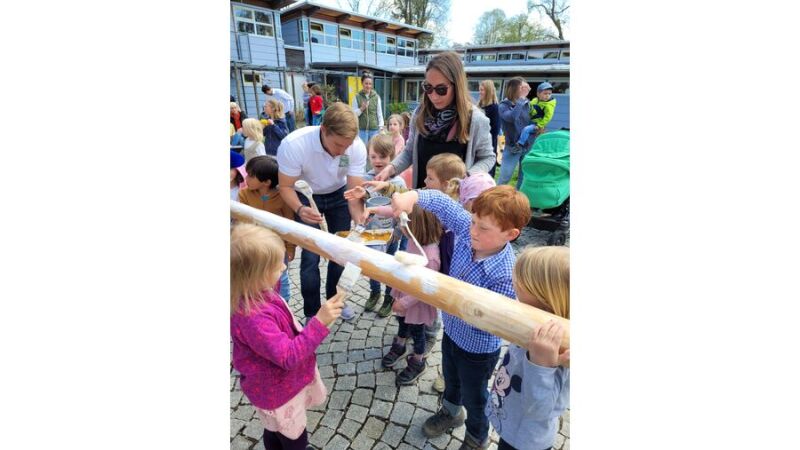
(276, 360)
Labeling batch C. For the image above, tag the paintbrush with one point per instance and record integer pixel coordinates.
(349, 277)
(302, 187)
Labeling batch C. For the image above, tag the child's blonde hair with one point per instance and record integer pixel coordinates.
(382, 145)
(447, 166)
(489, 96)
(400, 121)
(252, 128)
(255, 253)
(543, 272)
(277, 108)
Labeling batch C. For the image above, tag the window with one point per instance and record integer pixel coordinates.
(386, 44)
(323, 34)
(253, 22)
(551, 55)
(473, 86)
(249, 78)
(370, 42)
(412, 91)
(405, 47)
(534, 55)
(304, 30)
(345, 37)
(358, 39)
(491, 57)
(564, 54)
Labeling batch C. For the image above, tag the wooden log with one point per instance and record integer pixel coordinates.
(480, 307)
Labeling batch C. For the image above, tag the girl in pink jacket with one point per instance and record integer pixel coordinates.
(272, 352)
(412, 314)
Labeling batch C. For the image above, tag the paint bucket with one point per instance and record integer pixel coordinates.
(375, 222)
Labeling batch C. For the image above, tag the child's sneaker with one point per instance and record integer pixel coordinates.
(438, 384)
(442, 421)
(386, 307)
(412, 371)
(470, 443)
(397, 351)
(372, 301)
(347, 313)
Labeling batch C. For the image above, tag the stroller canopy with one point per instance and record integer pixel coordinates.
(546, 169)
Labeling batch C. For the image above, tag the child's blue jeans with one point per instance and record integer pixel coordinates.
(401, 244)
(526, 133)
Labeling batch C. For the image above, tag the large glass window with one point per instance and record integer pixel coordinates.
(358, 39)
(510, 56)
(304, 30)
(370, 42)
(412, 91)
(405, 47)
(345, 37)
(386, 44)
(253, 22)
(323, 34)
(535, 55)
(551, 55)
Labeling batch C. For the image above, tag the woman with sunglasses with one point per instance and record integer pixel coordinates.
(446, 121)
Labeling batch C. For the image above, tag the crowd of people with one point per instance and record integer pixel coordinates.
(437, 165)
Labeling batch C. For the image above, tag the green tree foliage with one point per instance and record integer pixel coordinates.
(495, 28)
(430, 14)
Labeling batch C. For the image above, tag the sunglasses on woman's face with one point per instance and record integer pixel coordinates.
(440, 89)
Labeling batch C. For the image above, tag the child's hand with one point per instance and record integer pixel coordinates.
(290, 254)
(356, 193)
(404, 202)
(544, 344)
(375, 185)
(385, 174)
(398, 308)
(331, 309)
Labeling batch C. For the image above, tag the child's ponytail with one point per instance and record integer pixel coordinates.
(453, 188)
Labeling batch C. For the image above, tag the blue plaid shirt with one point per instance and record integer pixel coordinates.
(493, 273)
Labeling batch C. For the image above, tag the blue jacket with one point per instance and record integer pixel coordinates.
(273, 135)
(514, 116)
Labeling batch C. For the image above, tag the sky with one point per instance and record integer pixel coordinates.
(463, 20)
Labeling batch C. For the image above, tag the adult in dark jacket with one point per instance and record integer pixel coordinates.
(514, 116)
(488, 102)
(277, 128)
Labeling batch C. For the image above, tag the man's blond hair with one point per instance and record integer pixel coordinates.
(340, 120)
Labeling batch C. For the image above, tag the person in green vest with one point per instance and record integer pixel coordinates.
(367, 107)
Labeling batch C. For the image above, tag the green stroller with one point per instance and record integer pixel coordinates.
(546, 184)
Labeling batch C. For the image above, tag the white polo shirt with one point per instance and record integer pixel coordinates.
(301, 155)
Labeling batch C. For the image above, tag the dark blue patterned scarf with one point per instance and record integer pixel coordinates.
(439, 125)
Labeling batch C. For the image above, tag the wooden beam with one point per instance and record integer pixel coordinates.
(343, 17)
(369, 23)
(482, 308)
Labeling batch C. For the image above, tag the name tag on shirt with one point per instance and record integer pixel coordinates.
(344, 161)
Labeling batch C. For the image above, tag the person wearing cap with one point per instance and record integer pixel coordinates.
(237, 161)
(540, 110)
(285, 98)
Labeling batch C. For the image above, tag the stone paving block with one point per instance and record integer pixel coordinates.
(429, 402)
(360, 334)
(393, 434)
(346, 369)
(357, 413)
(373, 428)
(331, 418)
(426, 386)
(236, 426)
(355, 356)
(362, 397)
(346, 383)
(339, 358)
(429, 375)
(382, 446)
(373, 342)
(366, 380)
(338, 443)
(349, 428)
(326, 371)
(236, 396)
(341, 337)
(254, 429)
(323, 348)
(364, 324)
(380, 409)
(364, 367)
(338, 347)
(458, 433)
(386, 392)
(387, 340)
(402, 413)
(362, 442)
(324, 359)
(357, 344)
(559, 441)
(321, 437)
(375, 332)
(454, 444)
(440, 442)
(244, 412)
(339, 399)
(241, 443)
(329, 383)
(566, 445)
(408, 394)
(565, 416)
(420, 416)
(385, 378)
(404, 446)
(313, 418)
(346, 328)
(371, 354)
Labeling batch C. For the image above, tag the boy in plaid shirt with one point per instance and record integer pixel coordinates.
(482, 255)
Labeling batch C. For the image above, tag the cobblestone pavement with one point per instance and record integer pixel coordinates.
(365, 409)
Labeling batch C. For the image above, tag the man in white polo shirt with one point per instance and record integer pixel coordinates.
(331, 159)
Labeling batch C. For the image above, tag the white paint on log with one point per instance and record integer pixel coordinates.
(482, 308)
